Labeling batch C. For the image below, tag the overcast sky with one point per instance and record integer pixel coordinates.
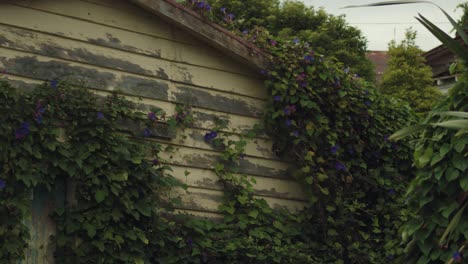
(382, 24)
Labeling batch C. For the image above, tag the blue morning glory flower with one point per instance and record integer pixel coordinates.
(308, 58)
(38, 119)
(288, 122)
(368, 103)
(152, 116)
(334, 149)
(211, 135)
(23, 131)
(340, 166)
(2, 184)
(223, 9)
(100, 115)
(277, 98)
(296, 41)
(295, 133)
(54, 83)
(146, 132)
(457, 256)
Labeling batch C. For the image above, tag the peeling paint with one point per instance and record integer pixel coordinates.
(208, 161)
(48, 70)
(144, 87)
(215, 101)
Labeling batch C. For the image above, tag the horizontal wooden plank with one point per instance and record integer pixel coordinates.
(203, 159)
(33, 66)
(107, 36)
(264, 187)
(203, 118)
(195, 138)
(209, 201)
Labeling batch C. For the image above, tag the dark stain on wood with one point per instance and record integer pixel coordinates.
(144, 87)
(243, 166)
(48, 70)
(214, 101)
(158, 130)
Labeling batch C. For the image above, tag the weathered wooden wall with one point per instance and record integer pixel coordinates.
(112, 44)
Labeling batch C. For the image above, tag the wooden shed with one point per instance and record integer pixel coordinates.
(165, 54)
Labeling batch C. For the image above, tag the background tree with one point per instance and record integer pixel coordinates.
(327, 34)
(407, 77)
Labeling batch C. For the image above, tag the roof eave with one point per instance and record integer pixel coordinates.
(213, 34)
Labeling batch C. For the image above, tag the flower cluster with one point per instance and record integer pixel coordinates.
(201, 5)
(2, 184)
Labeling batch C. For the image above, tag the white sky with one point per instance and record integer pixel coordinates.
(382, 24)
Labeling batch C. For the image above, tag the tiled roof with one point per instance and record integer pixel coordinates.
(380, 60)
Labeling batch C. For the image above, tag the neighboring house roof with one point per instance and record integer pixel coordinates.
(439, 59)
(380, 60)
(210, 32)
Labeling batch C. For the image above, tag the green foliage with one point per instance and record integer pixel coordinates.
(437, 229)
(334, 126)
(437, 226)
(330, 35)
(14, 180)
(117, 191)
(407, 77)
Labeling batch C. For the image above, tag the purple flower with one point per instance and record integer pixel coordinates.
(368, 103)
(228, 18)
(100, 115)
(264, 72)
(334, 149)
(301, 77)
(146, 132)
(54, 83)
(288, 122)
(245, 32)
(2, 184)
(189, 242)
(23, 131)
(337, 84)
(155, 162)
(223, 9)
(273, 42)
(201, 4)
(340, 166)
(38, 119)
(457, 256)
(386, 138)
(391, 192)
(211, 135)
(308, 58)
(295, 133)
(296, 41)
(207, 7)
(346, 70)
(390, 257)
(289, 109)
(351, 150)
(277, 98)
(242, 155)
(306, 44)
(356, 75)
(152, 116)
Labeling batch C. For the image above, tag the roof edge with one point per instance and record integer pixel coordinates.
(214, 34)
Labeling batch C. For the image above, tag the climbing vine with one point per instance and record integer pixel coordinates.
(329, 124)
